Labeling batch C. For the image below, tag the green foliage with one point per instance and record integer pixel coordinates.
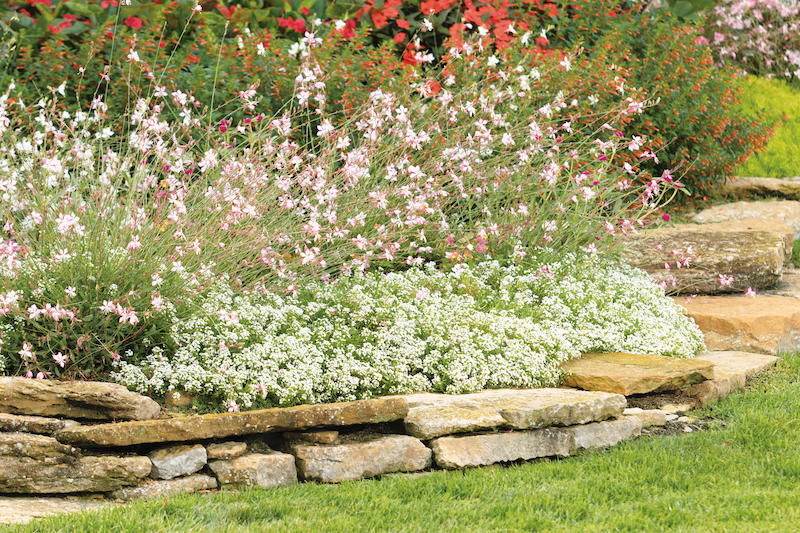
(778, 103)
(694, 126)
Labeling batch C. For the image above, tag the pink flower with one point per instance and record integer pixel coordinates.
(750, 292)
(26, 352)
(725, 280)
(233, 407)
(134, 244)
(60, 358)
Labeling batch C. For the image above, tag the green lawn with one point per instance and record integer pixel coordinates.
(742, 477)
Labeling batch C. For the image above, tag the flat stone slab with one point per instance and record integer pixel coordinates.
(39, 447)
(788, 188)
(731, 370)
(754, 258)
(34, 424)
(23, 509)
(482, 450)
(226, 450)
(74, 399)
(649, 417)
(786, 211)
(627, 374)
(84, 474)
(431, 415)
(166, 487)
(605, 434)
(221, 425)
(763, 324)
(371, 457)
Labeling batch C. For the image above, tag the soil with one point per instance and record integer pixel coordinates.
(659, 400)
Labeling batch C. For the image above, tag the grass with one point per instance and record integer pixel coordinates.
(743, 476)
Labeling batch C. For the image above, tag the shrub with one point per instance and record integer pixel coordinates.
(695, 126)
(779, 103)
(420, 330)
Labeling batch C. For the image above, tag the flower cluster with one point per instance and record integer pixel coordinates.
(423, 329)
(758, 36)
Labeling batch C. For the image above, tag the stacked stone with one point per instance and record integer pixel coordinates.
(325, 443)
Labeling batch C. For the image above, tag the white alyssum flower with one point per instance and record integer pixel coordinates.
(371, 334)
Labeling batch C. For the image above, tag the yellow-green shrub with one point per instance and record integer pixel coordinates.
(777, 103)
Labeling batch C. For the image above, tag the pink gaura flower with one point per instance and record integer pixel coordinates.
(60, 359)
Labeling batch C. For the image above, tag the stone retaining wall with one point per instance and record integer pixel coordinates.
(327, 443)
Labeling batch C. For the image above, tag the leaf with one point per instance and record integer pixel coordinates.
(213, 18)
(341, 10)
(80, 7)
(684, 9)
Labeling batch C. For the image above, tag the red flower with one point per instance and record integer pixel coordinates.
(133, 22)
(105, 3)
(403, 23)
(192, 58)
(399, 38)
(378, 18)
(305, 11)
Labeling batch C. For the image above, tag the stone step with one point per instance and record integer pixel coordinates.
(745, 213)
(627, 374)
(432, 415)
(763, 324)
(754, 257)
(731, 370)
(221, 425)
(782, 188)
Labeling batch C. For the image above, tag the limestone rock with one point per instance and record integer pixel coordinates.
(74, 399)
(788, 286)
(84, 474)
(787, 212)
(37, 447)
(23, 509)
(649, 417)
(731, 370)
(481, 450)
(788, 188)
(429, 421)
(604, 434)
(166, 487)
(315, 437)
(754, 258)
(765, 324)
(355, 460)
(177, 461)
(256, 470)
(34, 424)
(519, 409)
(226, 450)
(221, 425)
(677, 409)
(628, 374)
